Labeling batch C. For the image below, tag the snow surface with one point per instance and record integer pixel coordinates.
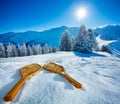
(98, 72)
(104, 42)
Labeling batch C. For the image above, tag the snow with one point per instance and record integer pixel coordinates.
(103, 42)
(98, 72)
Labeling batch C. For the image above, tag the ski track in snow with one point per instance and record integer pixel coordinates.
(98, 72)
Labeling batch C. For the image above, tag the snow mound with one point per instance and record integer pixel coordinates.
(98, 72)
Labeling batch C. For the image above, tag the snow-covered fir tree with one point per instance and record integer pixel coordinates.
(46, 49)
(72, 42)
(105, 48)
(30, 51)
(38, 49)
(92, 40)
(23, 50)
(19, 50)
(15, 50)
(9, 51)
(84, 41)
(2, 50)
(65, 42)
(34, 49)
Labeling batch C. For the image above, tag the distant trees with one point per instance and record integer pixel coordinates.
(9, 51)
(105, 48)
(30, 50)
(12, 50)
(65, 42)
(38, 49)
(2, 50)
(23, 50)
(46, 49)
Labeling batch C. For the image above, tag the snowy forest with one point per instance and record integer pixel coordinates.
(84, 42)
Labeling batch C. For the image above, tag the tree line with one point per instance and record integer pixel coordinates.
(12, 50)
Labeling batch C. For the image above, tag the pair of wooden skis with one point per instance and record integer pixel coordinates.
(30, 70)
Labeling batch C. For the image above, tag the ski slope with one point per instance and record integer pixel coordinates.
(98, 72)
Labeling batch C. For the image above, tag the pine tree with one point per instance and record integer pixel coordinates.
(46, 49)
(79, 40)
(72, 42)
(34, 49)
(9, 51)
(30, 51)
(65, 42)
(105, 48)
(19, 50)
(15, 50)
(85, 41)
(92, 41)
(38, 49)
(2, 50)
(23, 50)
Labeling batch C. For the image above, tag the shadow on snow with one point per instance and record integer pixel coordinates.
(88, 55)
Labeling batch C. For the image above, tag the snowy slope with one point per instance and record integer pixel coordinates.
(109, 35)
(109, 32)
(98, 72)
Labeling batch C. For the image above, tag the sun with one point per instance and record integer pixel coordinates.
(81, 13)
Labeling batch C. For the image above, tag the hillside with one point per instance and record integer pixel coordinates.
(110, 33)
(98, 72)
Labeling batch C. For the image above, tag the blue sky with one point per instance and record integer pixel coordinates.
(27, 15)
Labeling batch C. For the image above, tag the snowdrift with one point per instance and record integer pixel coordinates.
(98, 72)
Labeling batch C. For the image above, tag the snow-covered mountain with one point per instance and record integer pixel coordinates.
(99, 74)
(52, 36)
(110, 33)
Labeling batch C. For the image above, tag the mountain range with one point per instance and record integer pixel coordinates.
(52, 36)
